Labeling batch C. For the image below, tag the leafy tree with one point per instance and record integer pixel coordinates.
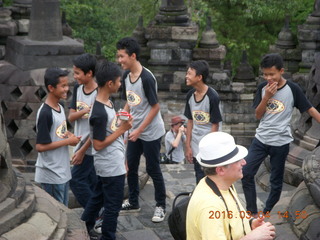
(106, 20)
(251, 25)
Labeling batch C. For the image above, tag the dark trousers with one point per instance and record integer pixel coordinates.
(108, 193)
(257, 153)
(151, 151)
(198, 170)
(83, 180)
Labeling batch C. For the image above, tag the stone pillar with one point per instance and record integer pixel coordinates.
(239, 118)
(45, 21)
(8, 27)
(309, 40)
(171, 38)
(44, 46)
(139, 34)
(286, 47)
(172, 12)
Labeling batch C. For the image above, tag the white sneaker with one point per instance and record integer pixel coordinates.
(159, 214)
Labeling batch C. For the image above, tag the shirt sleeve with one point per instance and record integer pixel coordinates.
(187, 110)
(215, 114)
(300, 100)
(149, 84)
(98, 122)
(44, 125)
(258, 96)
(73, 103)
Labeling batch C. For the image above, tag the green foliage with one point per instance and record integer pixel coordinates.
(251, 25)
(106, 20)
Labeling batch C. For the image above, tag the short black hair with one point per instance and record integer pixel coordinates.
(52, 76)
(130, 45)
(201, 67)
(272, 60)
(107, 71)
(85, 62)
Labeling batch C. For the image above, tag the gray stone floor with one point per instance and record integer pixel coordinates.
(180, 178)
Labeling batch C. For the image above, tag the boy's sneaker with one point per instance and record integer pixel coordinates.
(128, 208)
(94, 236)
(99, 220)
(98, 225)
(159, 214)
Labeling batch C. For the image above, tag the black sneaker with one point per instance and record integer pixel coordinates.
(128, 208)
(94, 236)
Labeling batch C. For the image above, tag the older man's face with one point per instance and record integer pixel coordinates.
(234, 170)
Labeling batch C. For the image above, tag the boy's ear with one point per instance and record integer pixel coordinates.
(133, 55)
(90, 72)
(50, 88)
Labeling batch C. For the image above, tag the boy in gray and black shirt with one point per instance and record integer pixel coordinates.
(140, 93)
(53, 162)
(108, 151)
(202, 111)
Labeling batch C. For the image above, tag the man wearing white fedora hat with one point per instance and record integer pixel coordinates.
(214, 210)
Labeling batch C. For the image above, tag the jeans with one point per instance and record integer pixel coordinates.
(257, 153)
(83, 180)
(58, 191)
(151, 152)
(198, 170)
(108, 192)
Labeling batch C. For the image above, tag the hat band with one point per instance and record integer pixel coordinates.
(222, 159)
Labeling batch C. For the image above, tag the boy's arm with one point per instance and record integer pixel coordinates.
(77, 158)
(189, 154)
(151, 115)
(215, 127)
(71, 140)
(270, 90)
(314, 113)
(74, 115)
(99, 145)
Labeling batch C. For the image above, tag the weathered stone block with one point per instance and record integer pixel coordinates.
(210, 54)
(8, 29)
(23, 25)
(21, 51)
(185, 33)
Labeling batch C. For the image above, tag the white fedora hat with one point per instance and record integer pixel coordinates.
(219, 149)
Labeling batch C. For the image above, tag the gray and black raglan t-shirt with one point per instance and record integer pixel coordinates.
(81, 100)
(52, 166)
(140, 96)
(110, 161)
(203, 113)
(274, 127)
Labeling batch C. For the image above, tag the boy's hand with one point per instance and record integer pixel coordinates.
(73, 140)
(271, 89)
(126, 125)
(77, 158)
(189, 155)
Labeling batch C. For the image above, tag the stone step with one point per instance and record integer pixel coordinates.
(17, 212)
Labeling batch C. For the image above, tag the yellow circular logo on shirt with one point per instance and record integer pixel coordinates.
(133, 99)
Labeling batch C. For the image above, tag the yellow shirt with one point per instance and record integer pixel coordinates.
(208, 219)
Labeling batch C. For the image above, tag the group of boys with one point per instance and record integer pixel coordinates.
(98, 174)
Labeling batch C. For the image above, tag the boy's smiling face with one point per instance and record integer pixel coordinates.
(272, 74)
(62, 88)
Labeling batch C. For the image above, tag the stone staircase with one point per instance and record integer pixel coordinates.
(28, 212)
